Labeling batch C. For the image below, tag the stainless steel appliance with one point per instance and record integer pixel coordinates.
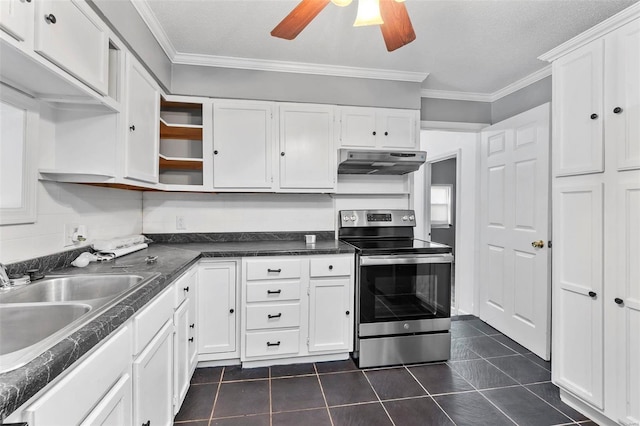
(403, 289)
(367, 162)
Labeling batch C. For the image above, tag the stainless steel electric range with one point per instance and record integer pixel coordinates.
(403, 289)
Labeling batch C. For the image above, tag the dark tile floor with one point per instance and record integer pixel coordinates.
(490, 380)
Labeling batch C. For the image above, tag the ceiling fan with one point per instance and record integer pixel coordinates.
(391, 15)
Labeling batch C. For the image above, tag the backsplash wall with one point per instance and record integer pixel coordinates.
(106, 212)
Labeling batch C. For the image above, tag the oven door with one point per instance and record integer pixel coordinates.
(404, 294)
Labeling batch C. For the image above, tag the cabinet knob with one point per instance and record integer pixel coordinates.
(617, 110)
(282, 154)
(132, 128)
(215, 152)
(28, 1)
(374, 133)
(186, 289)
(618, 301)
(50, 18)
(191, 339)
(592, 294)
(147, 423)
(192, 325)
(330, 267)
(594, 116)
(231, 311)
(386, 133)
(348, 313)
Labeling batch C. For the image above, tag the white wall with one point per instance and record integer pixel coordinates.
(106, 213)
(439, 144)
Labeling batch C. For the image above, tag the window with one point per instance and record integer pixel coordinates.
(18, 128)
(441, 205)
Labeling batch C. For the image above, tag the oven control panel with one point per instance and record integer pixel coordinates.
(373, 218)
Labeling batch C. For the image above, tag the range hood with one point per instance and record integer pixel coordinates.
(368, 162)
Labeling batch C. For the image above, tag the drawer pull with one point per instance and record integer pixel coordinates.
(274, 344)
(278, 315)
(274, 270)
(274, 291)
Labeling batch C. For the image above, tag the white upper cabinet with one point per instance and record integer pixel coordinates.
(72, 39)
(242, 145)
(579, 107)
(378, 128)
(16, 17)
(307, 154)
(142, 132)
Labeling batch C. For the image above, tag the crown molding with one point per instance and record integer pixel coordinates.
(456, 96)
(522, 83)
(150, 19)
(296, 67)
(452, 126)
(626, 15)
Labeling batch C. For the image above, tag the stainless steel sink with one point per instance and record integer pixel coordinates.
(72, 288)
(23, 326)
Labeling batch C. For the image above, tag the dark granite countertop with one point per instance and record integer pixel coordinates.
(20, 384)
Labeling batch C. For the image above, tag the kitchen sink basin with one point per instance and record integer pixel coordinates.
(72, 288)
(23, 326)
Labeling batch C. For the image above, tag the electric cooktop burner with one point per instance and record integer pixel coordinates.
(393, 246)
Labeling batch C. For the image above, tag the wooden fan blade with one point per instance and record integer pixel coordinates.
(397, 29)
(299, 18)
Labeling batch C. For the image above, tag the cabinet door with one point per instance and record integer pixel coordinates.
(153, 380)
(181, 346)
(626, 354)
(578, 106)
(15, 16)
(330, 315)
(242, 145)
(357, 127)
(307, 155)
(396, 129)
(217, 308)
(622, 94)
(193, 319)
(142, 132)
(578, 289)
(67, 35)
(115, 407)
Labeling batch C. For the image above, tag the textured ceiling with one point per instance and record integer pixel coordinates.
(477, 46)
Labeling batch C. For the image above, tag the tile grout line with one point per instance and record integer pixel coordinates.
(326, 404)
(557, 409)
(378, 396)
(429, 393)
(270, 400)
(215, 400)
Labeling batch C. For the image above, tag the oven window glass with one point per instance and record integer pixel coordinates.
(405, 292)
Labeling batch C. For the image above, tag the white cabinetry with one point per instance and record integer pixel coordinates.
(16, 17)
(115, 407)
(142, 130)
(378, 128)
(596, 205)
(307, 153)
(217, 323)
(184, 338)
(297, 308)
(73, 40)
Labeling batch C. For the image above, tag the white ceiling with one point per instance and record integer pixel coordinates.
(474, 46)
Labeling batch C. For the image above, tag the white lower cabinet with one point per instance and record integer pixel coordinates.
(297, 307)
(184, 337)
(115, 407)
(217, 318)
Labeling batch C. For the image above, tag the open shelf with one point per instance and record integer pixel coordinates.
(173, 163)
(175, 131)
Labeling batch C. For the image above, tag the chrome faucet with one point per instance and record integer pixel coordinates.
(4, 278)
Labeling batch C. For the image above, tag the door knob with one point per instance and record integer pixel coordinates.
(538, 244)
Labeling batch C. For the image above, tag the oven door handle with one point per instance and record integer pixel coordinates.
(405, 259)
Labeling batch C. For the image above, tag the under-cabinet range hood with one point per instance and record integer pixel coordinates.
(367, 162)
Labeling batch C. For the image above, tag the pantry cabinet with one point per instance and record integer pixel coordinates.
(141, 139)
(217, 323)
(596, 203)
(16, 17)
(74, 39)
(379, 128)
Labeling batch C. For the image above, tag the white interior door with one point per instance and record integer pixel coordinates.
(515, 282)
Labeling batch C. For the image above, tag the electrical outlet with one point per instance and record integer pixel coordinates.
(181, 224)
(69, 229)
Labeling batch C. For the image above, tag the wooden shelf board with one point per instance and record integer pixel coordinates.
(189, 133)
(187, 105)
(180, 164)
(184, 126)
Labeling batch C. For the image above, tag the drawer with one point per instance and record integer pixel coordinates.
(273, 269)
(151, 319)
(266, 291)
(272, 343)
(184, 286)
(278, 315)
(322, 266)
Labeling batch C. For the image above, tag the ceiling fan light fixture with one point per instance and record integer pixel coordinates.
(342, 3)
(368, 13)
